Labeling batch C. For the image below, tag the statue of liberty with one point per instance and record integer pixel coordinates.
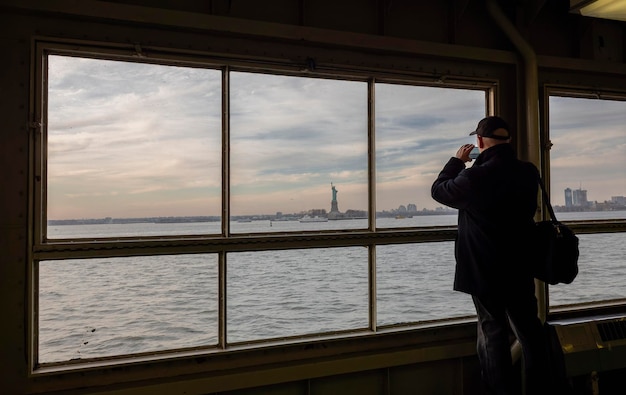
(333, 204)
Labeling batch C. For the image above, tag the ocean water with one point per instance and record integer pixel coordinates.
(91, 308)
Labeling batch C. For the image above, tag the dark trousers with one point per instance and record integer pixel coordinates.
(495, 314)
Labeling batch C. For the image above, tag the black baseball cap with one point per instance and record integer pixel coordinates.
(488, 126)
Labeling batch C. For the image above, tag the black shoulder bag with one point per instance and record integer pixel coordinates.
(556, 260)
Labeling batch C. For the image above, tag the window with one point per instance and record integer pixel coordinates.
(104, 307)
(275, 294)
(417, 130)
(414, 283)
(131, 144)
(588, 185)
(197, 206)
(296, 141)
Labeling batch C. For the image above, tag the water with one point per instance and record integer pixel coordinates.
(261, 226)
(115, 306)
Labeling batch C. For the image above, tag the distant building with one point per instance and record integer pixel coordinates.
(619, 200)
(579, 198)
(568, 197)
(320, 212)
(411, 207)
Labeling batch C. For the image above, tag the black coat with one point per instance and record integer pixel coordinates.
(497, 202)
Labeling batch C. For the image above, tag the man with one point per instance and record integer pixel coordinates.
(497, 201)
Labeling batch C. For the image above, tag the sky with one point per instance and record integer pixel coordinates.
(140, 140)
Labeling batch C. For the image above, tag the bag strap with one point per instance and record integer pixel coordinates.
(546, 199)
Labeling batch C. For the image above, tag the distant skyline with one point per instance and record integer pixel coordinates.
(140, 140)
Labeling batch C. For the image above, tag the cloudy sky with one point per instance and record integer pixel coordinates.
(136, 140)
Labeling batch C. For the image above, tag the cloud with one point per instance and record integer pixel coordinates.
(131, 139)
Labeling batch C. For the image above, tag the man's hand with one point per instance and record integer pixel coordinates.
(464, 151)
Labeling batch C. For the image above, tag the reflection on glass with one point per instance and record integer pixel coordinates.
(417, 130)
(298, 152)
(298, 292)
(91, 308)
(131, 142)
(600, 271)
(414, 284)
(586, 160)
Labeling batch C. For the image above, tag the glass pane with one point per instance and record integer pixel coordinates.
(417, 130)
(133, 143)
(414, 283)
(90, 308)
(587, 180)
(298, 153)
(297, 292)
(601, 268)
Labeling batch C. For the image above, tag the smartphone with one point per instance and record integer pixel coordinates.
(474, 153)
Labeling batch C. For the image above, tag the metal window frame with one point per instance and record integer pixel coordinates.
(45, 249)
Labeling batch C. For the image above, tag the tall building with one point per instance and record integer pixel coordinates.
(568, 197)
(579, 197)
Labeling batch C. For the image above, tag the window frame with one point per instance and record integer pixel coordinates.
(580, 227)
(58, 249)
